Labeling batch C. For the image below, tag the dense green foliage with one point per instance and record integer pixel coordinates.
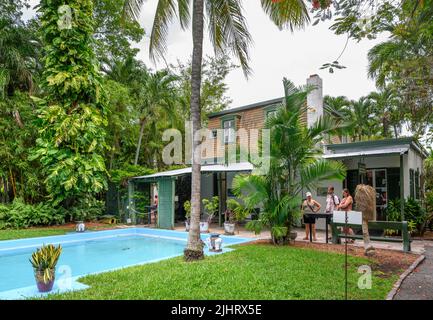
(86, 120)
(21, 215)
(414, 213)
(402, 63)
(249, 272)
(375, 116)
(72, 115)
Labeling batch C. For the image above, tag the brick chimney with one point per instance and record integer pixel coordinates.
(314, 99)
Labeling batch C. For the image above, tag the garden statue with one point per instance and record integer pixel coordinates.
(365, 198)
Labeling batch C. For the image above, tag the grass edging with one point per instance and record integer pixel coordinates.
(403, 276)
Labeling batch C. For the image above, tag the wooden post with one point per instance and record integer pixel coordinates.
(131, 202)
(402, 186)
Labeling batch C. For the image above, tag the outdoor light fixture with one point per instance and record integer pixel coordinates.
(215, 243)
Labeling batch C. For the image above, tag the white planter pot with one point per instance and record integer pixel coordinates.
(204, 227)
(229, 228)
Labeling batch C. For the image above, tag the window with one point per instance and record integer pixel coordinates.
(229, 131)
(213, 134)
(270, 113)
(411, 183)
(417, 185)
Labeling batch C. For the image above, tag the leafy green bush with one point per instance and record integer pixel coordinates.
(21, 215)
(87, 209)
(429, 206)
(414, 214)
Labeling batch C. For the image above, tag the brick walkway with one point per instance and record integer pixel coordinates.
(419, 284)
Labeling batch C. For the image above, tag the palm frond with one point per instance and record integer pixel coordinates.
(228, 30)
(164, 14)
(291, 14)
(321, 170)
(184, 13)
(132, 9)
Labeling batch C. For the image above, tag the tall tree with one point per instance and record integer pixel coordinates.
(113, 34)
(227, 30)
(72, 115)
(385, 107)
(19, 67)
(156, 102)
(213, 89)
(362, 118)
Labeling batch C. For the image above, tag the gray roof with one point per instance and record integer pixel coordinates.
(374, 147)
(247, 107)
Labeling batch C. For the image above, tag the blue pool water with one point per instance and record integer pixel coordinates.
(92, 252)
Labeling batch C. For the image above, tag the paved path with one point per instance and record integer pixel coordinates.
(419, 284)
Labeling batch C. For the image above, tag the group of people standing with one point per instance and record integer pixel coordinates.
(333, 203)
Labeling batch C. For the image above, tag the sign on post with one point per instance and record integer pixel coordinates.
(362, 168)
(353, 217)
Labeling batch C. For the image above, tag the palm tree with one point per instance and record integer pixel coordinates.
(339, 109)
(405, 63)
(18, 62)
(362, 118)
(385, 108)
(227, 32)
(155, 101)
(295, 166)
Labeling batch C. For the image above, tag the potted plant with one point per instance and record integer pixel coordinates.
(211, 208)
(235, 212)
(187, 207)
(44, 261)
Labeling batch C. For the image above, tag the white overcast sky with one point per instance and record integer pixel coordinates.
(275, 54)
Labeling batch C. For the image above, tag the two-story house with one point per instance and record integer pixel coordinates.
(393, 166)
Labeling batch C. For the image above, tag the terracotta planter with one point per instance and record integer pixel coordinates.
(293, 235)
(229, 228)
(204, 227)
(42, 286)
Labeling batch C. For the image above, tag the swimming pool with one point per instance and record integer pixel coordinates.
(88, 253)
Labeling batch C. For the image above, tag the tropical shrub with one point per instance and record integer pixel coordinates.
(211, 207)
(187, 207)
(429, 207)
(236, 212)
(21, 215)
(87, 209)
(414, 214)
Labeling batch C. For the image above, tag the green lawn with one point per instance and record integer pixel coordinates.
(249, 272)
(11, 234)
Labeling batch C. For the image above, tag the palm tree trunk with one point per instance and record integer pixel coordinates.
(113, 148)
(395, 132)
(368, 248)
(140, 137)
(194, 248)
(18, 119)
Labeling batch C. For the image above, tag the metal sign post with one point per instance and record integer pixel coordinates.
(345, 254)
